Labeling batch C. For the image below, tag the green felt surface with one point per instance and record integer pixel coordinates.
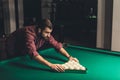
(101, 66)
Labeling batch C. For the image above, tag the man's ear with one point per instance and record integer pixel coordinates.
(39, 30)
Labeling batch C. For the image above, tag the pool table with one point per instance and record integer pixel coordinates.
(101, 65)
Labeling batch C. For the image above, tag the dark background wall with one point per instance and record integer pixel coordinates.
(1, 20)
(75, 21)
(78, 21)
(32, 10)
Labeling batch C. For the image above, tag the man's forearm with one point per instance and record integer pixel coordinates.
(64, 52)
(40, 59)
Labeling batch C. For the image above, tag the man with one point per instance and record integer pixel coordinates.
(31, 38)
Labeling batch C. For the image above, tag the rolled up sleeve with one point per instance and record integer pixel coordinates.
(30, 44)
(55, 43)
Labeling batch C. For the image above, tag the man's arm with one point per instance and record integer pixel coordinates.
(55, 67)
(65, 53)
(40, 59)
(60, 48)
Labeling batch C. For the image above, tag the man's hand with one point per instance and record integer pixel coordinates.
(57, 67)
(72, 58)
(65, 53)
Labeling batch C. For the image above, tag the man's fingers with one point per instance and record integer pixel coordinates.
(76, 59)
(60, 68)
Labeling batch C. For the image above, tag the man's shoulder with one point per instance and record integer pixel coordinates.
(30, 30)
(32, 27)
(51, 38)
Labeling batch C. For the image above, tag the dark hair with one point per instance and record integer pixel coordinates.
(45, 23)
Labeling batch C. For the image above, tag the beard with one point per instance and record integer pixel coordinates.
(46, 38)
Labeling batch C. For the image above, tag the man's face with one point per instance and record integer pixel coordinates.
(46, 33)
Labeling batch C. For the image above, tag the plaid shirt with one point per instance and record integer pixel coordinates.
(27, 40)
